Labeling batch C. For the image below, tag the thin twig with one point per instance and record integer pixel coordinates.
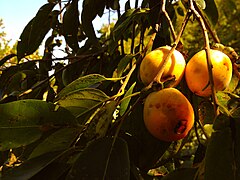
(168, 20)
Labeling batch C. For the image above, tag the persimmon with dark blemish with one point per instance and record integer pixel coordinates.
(168, 115)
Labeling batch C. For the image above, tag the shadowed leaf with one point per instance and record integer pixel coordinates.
(22, 122)
(99, 161)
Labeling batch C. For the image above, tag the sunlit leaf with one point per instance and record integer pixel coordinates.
(82, 100)
(84, 82)
(201, 3)
(102, 161)
(125, 103)
(123, 64)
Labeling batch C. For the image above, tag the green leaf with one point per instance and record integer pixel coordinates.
(219, 157)
(102, 161)
(23, 122)
(58, 141)
(201, 3)
(100, 120)
(124, 104)
(223, 99)
(31, 167)
(206, 112)
(71, 24)
(211, 12)
(35, 31)
(83, 82)
(181, 174)
(82, 100)
(123, 64)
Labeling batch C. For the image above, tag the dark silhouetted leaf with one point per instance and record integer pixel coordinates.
(35, 31)
(147, 150)
(22, 122)
(211, 12)
(91, 9)
(219, 159)
(114, 4)
(236, 113)
(71, 24)
(102, 161)
(237, 146)
(3, 60)
(31, 167)
(181, 174)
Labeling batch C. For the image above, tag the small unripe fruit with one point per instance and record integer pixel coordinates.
(153, 61)
(168, 115)
(197, 76)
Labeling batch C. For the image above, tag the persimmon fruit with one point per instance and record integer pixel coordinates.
(197, 76)
(168, 115)
(154, 60)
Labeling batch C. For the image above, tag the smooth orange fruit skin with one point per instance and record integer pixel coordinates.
(196, 72)
(168, 115)
(153, 61)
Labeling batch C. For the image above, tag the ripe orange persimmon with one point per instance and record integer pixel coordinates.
(168, 115)
(197, 77)
(153, 61)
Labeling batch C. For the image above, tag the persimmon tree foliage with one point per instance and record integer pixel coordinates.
(81, 116)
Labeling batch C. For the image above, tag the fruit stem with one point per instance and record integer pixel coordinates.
(161, 69)
(207, 50)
